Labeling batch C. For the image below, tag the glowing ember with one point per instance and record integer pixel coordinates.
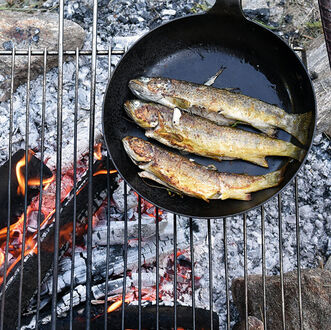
(148, 208)
(2, 258)
(118, 303)
(114, 306)
(97, 151)
(104, 172)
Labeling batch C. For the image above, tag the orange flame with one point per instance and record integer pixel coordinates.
(97, 151)
(21, 178)
(2, 258)
(114, 306)
(104, 172)
(118, 303)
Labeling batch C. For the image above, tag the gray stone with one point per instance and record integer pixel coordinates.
(38, 30)
(328, 264)
(316, 295)
(253, 324)
(318, 64)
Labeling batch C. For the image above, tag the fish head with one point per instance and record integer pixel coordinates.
(150, 89)
(144, 114)
(140, 151)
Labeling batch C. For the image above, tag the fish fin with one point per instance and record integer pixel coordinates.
(151, 176)
(261, 161)
(212, 79)
(172, 137)
(300, 126)
(233, 90)
(240, 195)
(225, 158)
(270, 131)
(178, 102)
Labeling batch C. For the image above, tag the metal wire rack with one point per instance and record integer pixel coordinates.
(94, 53)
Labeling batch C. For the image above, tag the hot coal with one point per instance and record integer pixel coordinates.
(30, 281)
(16, 199)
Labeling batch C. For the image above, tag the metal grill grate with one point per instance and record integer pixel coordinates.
(94, 53)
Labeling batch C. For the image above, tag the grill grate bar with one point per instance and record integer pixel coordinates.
(226, 269)
(175, 271)
(139, 262)
(108, 214)
(245, 269)
(43, 115)
(263, 268)
(108, 242)
(90, 166)
(125, 252)
(281, 259)
(192, 273)
(74, 221)
(157, 252)
(10, 147)
(35, 52)
(210, 262)
(297, 218)
(94, 53)
(27, 113)
(58, 165)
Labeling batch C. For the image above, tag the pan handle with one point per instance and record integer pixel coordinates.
(227, 7)
(325, 11)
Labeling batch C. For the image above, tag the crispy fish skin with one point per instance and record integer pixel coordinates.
(202, 137)
(179, 174)
(214, 103)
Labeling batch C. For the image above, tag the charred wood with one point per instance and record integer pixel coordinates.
(30, 281)
(16, 199)
(166, 321)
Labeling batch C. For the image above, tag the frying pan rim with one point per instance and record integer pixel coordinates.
(313, 110)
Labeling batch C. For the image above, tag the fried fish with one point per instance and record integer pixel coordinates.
(197, 135)
(181, 175)
(221, 105)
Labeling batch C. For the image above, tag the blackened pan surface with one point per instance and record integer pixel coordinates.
(193, 49)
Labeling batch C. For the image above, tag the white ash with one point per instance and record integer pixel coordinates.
(118, 197)
(117, 229)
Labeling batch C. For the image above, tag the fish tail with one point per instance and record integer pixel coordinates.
(274, 178)
(300, 126)
(298, 154)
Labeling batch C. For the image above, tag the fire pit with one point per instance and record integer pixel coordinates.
(95, 253)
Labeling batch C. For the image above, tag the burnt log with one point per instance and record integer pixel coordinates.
(17, 200)
(30, 280)
(148, 318)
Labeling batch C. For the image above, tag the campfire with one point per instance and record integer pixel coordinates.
(24, 232)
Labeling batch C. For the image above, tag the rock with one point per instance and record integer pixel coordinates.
(328, 264)
(253, 324)
(318, 64)
(316, 296)
(170, 12)
(38, 30)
